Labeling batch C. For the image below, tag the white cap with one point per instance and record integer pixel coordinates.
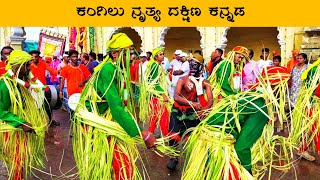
(183, 54)
(143, 54)
(178, 52)
(65, 55)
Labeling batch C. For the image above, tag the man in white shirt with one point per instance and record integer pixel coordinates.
(143, 65)
(165, 64)
(181, 69)
(264, 61)
(175, 62)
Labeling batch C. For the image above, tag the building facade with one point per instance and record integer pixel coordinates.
(281, 39)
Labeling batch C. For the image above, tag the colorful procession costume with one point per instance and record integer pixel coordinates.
(105, 149)
(104, 127)
(186, 112)
(234, 136)
(248, 126)
(152, 90)
(306, 114)
(274, 80)
(184, 116)
(20, 151)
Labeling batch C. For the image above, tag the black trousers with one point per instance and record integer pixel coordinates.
(180, 121)
(47, 105)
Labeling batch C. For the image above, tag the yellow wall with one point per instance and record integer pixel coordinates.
(181, 38)
(298, 40)
(254, 38)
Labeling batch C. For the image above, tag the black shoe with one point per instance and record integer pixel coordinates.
(172, 164)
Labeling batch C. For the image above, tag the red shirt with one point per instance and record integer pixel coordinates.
(2, 68)
(134, 71)
(39, 70)
(75, 75)
(210, 64)
(276, 74)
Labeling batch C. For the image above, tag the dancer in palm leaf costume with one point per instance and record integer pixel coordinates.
(224, 139)
(20, 113)
(306, 114)
(105, 130)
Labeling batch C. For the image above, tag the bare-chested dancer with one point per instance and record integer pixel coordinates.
(189, 103)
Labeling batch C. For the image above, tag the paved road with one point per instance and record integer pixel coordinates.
(60, 163)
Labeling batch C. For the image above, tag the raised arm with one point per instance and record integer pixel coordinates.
(207, 87)
(51, 70)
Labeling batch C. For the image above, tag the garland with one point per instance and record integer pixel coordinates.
(91, 38)
(80, 40)
(73, 38)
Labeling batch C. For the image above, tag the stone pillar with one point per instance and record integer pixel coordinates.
(210, 39)
(17, 38)
(203, 35)
(281, 40)
(2, 37)
(148, 39)
(65, 32)
(159, 36)
(222, 38)
(289, 33)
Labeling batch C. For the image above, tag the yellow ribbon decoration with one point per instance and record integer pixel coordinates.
(305, 73)
(17, 57)
(117, 42)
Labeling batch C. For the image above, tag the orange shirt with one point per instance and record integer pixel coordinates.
(39, 70)
(210, 64)
(2, 68)
(74, 76)
(291, 64)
